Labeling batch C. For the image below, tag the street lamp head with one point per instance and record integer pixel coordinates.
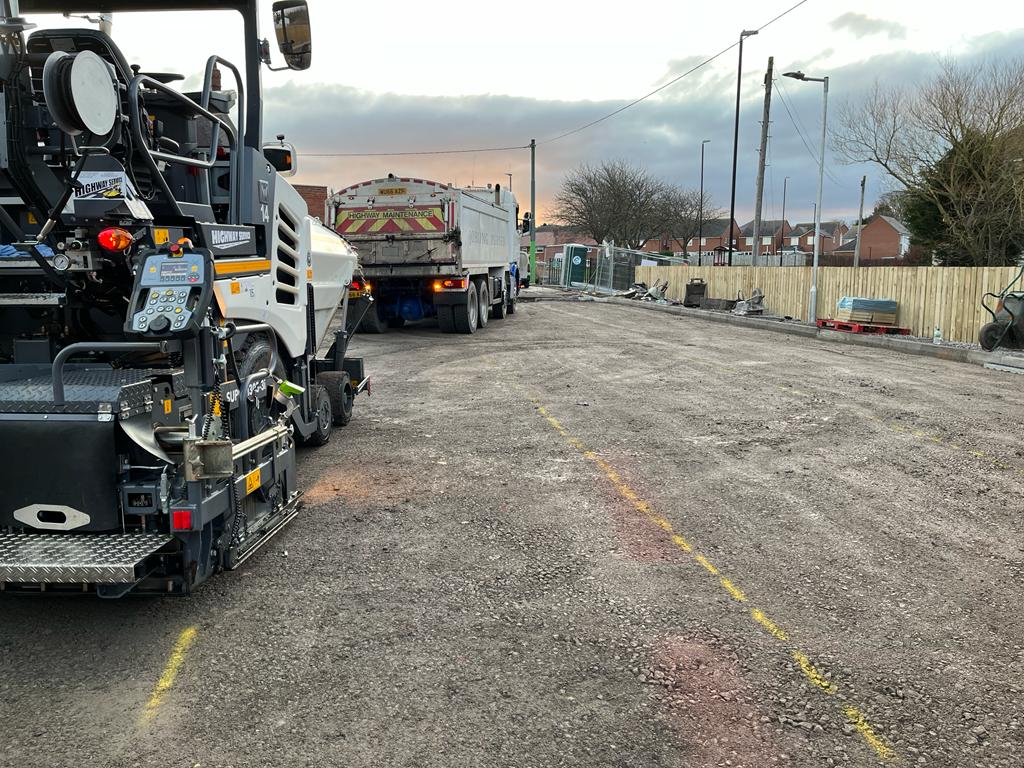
(708, 141)
(748, 33)
(798, 75)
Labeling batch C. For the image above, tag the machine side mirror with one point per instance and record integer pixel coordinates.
(294, 36)
(526, 223)
(282, 157)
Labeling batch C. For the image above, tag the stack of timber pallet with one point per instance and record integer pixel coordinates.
(852, 309)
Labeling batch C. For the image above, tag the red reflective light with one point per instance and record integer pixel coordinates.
(457, 283)
(181, 519)
(356, 286)
(115, 239)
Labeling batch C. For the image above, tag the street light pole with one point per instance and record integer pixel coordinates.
(509, 182)
(700, 205)
(533, 211)
(813, 297)
(785, 183)
(736, 139)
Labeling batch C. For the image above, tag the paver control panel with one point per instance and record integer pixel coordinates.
(172, 293)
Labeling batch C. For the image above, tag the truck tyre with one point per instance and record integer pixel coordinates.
(466, 315)
(513, 297)
(446, 319)
(342, 394)
(499, 310)
(395, 322)
(373, 320)
(324, 417)
(484, 296)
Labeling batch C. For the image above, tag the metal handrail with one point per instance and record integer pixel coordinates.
(57, 370)
(151, 155)
(204, 100)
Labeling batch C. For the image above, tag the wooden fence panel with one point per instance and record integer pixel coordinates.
(947, 297)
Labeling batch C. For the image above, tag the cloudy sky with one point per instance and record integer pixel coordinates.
(405, 77)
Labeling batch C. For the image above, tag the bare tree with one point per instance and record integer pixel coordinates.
(954, 143)
(621, 202)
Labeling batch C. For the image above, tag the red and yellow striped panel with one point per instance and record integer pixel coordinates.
(417, 219)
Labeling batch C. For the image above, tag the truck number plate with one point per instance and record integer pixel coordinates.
(253, 481)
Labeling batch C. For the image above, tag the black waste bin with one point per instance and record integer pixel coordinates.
(695, 290)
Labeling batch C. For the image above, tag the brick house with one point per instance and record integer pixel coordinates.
(882, 238)
(316, 200)
(801, 237)
(714, 236)
(772, 235)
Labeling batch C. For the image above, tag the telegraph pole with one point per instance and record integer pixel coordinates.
(533, 211)
(761, 160)
(860, 222)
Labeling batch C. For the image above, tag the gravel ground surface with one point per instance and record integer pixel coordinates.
(589, 535)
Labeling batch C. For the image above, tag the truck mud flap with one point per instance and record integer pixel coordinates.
(101, 559)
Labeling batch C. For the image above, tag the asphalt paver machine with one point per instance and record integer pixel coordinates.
(163, 295)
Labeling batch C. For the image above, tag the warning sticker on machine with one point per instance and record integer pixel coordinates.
(253, 481)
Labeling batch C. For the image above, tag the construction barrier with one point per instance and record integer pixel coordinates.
(945, 297)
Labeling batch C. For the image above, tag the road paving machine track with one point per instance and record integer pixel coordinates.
(163, 295)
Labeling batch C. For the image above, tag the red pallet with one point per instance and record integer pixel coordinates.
(839, 325)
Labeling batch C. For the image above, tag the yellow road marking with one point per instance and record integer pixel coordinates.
(868, 734)
(812, 673)
(807, 668)
(732, 589)
(767, 623)
(682, 543)
(704, 561)
(166, 682)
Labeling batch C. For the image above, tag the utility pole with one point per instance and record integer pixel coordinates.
(736, 138)
(761, 160)
(700, 205)
(533, 211)
(785, 182)
(860, 222)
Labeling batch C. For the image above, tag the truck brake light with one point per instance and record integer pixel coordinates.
(181, 519)
(457, 283)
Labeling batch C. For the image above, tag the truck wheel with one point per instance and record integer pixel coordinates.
(446, 319)
(466, 315)
(512, 299)
(342, 394)
(484, 296)
(499, 310)
(373, 320)
(324, 418)
(395, 322)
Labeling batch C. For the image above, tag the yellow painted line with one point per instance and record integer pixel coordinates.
(682, 543)
(806, 667)
(868, 734)
(166, 682)
(812, 674)
(732, 589)
(706, 563)
(768, 624)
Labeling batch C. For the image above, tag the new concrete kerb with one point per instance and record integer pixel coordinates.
(793, 328)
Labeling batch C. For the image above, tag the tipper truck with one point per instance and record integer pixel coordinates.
(431, 250)
(163, 297)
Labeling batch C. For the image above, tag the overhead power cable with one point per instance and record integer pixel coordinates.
(671, 82)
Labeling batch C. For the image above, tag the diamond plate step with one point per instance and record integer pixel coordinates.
(76, 559)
